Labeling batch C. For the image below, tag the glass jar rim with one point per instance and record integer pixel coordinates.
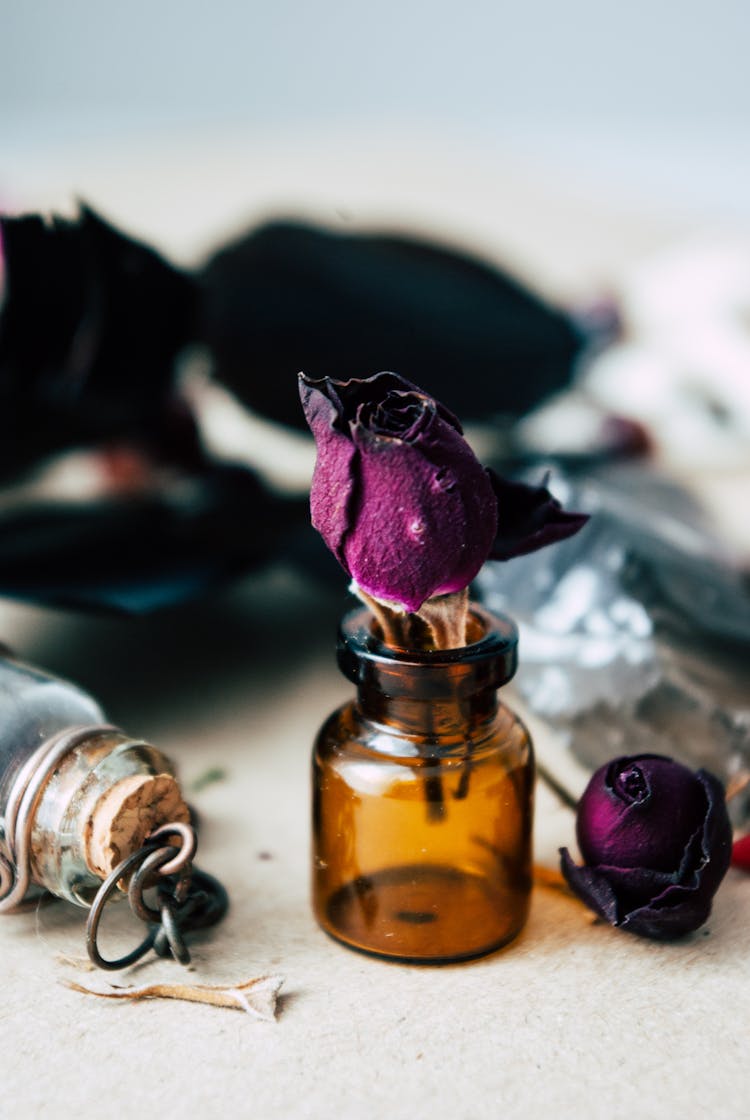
(360, 645)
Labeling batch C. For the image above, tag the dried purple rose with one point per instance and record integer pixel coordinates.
(402, 501)
(656, 841)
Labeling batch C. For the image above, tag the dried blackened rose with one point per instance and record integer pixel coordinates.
(402, 501)
(289, 296)
(91, 323)
(656, 841)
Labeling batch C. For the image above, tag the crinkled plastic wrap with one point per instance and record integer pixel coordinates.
(635, 634)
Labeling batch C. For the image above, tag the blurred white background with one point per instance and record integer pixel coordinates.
(647, 102)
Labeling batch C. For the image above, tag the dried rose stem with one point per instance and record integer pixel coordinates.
(440, 623)
(447, 617)
(389, 619)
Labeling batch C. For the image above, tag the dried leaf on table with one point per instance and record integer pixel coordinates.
(256, 997)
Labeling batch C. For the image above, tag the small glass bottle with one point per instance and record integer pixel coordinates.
(423, 799)
(76, 794)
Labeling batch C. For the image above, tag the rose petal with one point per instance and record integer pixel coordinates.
(333, 482)
(616, 829)
(717, 833)
(676, 912)
(613, 892)
(398, 494)
(590, 886)
(425, 515)
(528, 518)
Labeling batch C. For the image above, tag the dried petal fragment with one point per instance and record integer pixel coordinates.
(256, 997)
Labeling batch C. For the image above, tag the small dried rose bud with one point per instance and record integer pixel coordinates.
(402, 501)
(656, 841)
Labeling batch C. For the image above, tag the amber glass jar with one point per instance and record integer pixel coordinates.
(423, 799)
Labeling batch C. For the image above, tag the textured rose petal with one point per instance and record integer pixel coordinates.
(674, 914)
(426, 515)
(638, 901)
(332, 488)
(614, 829)
(528, 518)
(591, 886)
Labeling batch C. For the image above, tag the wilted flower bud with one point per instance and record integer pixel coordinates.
(656, 841)
(402, 501)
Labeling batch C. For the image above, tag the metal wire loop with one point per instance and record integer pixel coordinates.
(95, 916)
(188, 846)
(152, 867)
(171, 929)
(188, 899)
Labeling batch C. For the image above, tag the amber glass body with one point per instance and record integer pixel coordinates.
(423, 800)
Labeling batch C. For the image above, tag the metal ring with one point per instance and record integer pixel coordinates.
(95, 915)
(187, 850)
(171, 927)
(152, 861)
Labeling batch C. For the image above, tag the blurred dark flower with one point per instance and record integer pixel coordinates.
(400, 498)
(656, 841)
(140, 537)
(288, 296)
(90, 325)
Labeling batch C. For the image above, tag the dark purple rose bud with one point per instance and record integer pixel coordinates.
(656, 841)
(402, 501)
(398, 495)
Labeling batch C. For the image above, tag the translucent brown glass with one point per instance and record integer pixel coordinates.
(423, 799)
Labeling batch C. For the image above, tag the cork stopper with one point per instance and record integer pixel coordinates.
(121, 819)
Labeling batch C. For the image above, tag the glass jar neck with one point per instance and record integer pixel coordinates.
(449, 718)
(443, 695)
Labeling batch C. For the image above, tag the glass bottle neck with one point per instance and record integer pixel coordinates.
(437, 694)
(444, 718)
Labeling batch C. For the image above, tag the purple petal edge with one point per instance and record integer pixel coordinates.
(591, 887)
(529, 518)
(333, 483)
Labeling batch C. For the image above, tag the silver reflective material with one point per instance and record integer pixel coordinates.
(634, 634)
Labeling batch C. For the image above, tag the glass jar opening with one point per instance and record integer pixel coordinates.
(488, 661)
